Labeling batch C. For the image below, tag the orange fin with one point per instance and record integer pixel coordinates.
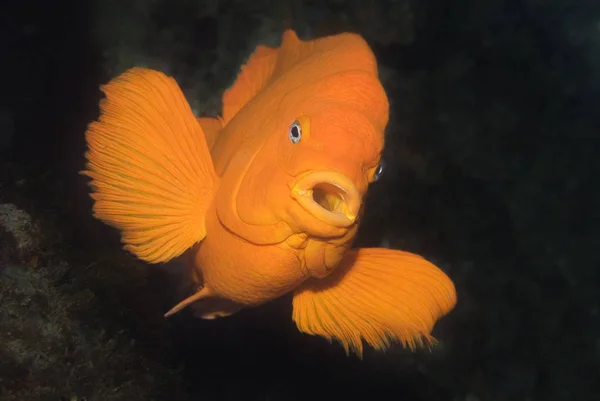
(376, 294)
(311, 59)
(197, 296)
(151, 170)
(264, 65)
(252, 78)
(205, 304)
(211, 127)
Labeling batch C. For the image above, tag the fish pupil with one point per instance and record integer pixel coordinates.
(295, 132)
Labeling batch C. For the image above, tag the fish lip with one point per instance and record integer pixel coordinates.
(332, 184)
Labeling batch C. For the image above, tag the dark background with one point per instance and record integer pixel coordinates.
(492, 174)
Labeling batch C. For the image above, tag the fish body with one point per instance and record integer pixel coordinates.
(266, 199)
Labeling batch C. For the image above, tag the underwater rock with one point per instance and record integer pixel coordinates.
(55, 343)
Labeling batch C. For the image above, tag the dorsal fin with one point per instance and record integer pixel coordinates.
(254, 75)
(335, 53)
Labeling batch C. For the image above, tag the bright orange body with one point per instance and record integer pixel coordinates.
(260, 243)
(267, 198)
(243, 272)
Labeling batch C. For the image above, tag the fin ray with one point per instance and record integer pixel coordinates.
(151, 172)
(377, 295)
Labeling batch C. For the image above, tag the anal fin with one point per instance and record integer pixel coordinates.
(377, 295)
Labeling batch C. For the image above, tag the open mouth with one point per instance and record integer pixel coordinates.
(329, 196)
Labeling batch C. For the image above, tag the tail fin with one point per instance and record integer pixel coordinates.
(151, 170)
(376, 294)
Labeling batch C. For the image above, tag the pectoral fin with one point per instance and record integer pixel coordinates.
(377, 295)
(151, 170)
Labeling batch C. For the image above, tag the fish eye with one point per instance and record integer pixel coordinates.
(379, 170)
(295, 132)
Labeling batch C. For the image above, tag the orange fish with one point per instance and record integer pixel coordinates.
(266, 199)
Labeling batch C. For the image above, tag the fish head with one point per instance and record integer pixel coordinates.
(314, 170)
(331, 156)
